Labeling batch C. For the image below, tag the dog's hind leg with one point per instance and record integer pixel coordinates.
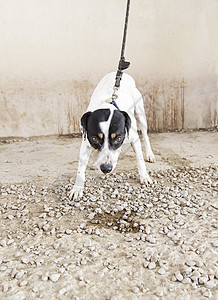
(140, 112)
(77, 190)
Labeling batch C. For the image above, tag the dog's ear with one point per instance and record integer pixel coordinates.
(84, 122)
(127, 121)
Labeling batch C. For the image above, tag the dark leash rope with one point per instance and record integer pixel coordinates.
(123, 65)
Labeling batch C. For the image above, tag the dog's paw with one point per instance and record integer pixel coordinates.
(145, 179)
(150, 157)
(76, 192)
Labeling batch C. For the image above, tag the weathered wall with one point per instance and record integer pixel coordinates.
(53, 53)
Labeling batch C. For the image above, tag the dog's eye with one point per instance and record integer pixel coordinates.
(94, 139)
(118, 139)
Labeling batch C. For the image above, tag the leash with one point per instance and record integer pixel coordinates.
(123, 65)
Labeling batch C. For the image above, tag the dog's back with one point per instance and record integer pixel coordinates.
(104, 91)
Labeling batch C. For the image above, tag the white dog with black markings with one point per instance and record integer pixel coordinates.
(106, 126)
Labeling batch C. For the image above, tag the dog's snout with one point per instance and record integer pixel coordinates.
(106, 168)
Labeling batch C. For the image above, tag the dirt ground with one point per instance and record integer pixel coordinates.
(121, 240)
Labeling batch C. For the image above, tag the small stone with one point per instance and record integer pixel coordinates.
(160, 292)
(162, 271)
(46, 227)
(68, 231)
(148, 229)
(135, 290)
(207, 294)
(186, 281)
(187, 271)
(62, 292)
(83, 262)
(210, 284)
(3, 243)
(23, 283)
(151, 239)
(19, 274)
(191, 263)
(5, 287)
(196, 274)
(215, 243)
(152, 265)
(3, 268)
(203, 279)
(25, 260)
(44, 277)
(54, 277)
(179, 276)
(146, 263)
(115, 297)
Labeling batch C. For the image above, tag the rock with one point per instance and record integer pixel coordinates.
(159, 291)
(54, 277)
(186, 281)
(152, 265)
(62, 291)
(25, 260)
(19, 274)
(162, 271)
(135, 290)
(179, 276)
(210, 284)
(23, 283)
(151, 239)
(207, 294)
(115, 297)
(5, 287)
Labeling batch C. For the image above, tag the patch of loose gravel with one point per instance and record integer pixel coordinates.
(121, 240)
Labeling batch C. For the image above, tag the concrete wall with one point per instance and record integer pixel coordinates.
(53, 53)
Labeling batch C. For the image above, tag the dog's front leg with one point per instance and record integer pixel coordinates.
(77, 190)
(144, 177)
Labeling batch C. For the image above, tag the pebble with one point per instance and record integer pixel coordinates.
(207, 294)
(186, 280)
(215, 243)
(178, 276)
(25, 260)
(135, 290)
(62, 291)
(210, 284)
(54, 277)
(151, 239)
(191, 263)
(160, 292)
(152, 265)
(115, 297)
(23, 283)
(162, 271)
(20, 274)
(5, 287)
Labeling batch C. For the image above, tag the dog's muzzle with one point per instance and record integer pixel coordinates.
(106, 168)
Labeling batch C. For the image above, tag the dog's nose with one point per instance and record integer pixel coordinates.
(106, 168)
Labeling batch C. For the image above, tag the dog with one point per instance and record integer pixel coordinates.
(105, 126)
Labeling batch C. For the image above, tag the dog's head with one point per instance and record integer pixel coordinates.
(105, 130)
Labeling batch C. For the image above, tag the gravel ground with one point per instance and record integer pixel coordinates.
(121, 240)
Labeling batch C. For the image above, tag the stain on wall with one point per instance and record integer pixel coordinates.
(164, 104)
